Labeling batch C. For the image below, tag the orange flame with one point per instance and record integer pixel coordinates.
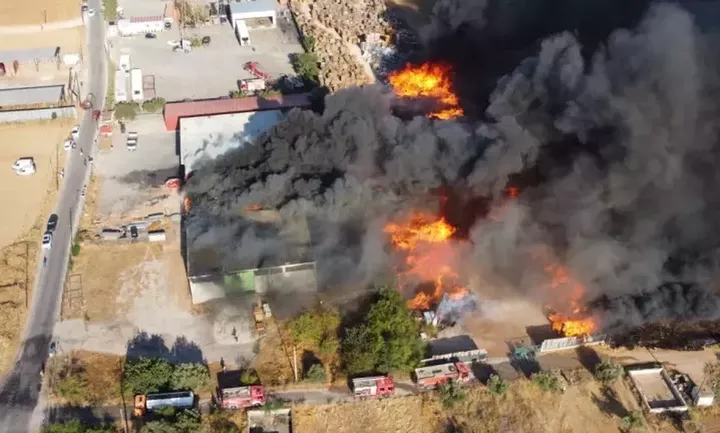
(429, 81)
(188, 203)
(565, 287)
(425, 240)
(253, 208)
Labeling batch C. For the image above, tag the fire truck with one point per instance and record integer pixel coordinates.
(242, 396)
(432, 376)
(375, 386)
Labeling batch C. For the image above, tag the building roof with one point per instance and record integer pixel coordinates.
(146, 19)
(177, 110)
(445, 346)
(11, 96)
(277, 241)
(207, 137)
(255, 6)
(45, 53)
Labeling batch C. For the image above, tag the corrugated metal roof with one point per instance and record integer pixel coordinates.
(10, 96)
(253, 6)
(147, 19)
(174, 111)
(46, 53)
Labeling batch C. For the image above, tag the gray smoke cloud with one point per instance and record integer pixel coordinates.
(623, 146)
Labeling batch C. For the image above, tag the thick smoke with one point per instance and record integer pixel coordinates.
(614, 154)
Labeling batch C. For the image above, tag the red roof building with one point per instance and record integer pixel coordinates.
(174, 111)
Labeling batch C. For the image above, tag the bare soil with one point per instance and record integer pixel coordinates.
(17, 12)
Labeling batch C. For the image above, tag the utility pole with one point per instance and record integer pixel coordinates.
(295, 362)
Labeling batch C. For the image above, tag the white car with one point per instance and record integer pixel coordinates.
(47, 241)
(75, 132)
(22, 163)
(91, 12)
(25, 171)
(69, 144)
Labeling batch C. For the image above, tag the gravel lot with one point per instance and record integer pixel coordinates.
(211, 71)
(129, 177)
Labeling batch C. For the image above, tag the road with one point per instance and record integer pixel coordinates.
(20, 390)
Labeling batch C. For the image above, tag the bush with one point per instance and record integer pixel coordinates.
(308, 42)
(110, 11)
(249, 377)
(547, 381)
(154, 105)
(74, 426)
(187, 421)
(190, 376)
(145, 375)
(632, 422)
(236, 94)
(388, 339)
(71, 385)
(306, 66)
(497, 385)
(607, 371)
(317, 328)
(316, 373)
(712, 375)
(126, 110)
(450, 394)
(75, 249)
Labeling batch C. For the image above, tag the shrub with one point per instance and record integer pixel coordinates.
(126, 110)
(497, 385)
(450, 394)
(607, 371)
(71, 386)
(74, 426)
(236, 94)
(316, 373)
(154, 105)
(218, 423)
(191, 376)
(76, 249)
(145, 375)
(248, 377)
(306, 66)
(632, 422)
(547, 381)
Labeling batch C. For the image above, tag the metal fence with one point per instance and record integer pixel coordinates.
(16, 116)
(554, 344)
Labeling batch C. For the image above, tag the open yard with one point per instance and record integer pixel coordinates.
(28, 200)
(18, 12)
(69, 40)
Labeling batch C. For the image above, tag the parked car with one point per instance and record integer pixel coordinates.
(69, 144)
(47, 241)
(23, 162)
(52, 223)
(91, 12)
(133, 232)
(150, 36)
(168, 25)
(206, 40)
(75, 132)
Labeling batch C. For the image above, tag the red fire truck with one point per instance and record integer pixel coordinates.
(434, 375)
(242, 396)
(375, 386)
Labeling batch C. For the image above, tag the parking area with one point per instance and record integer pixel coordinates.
(209, 71)
(133, 181)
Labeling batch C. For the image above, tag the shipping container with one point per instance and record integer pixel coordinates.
(136, 85)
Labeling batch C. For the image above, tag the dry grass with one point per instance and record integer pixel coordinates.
(273, 363)
(69, 40)
(17, 12)
(103, 374)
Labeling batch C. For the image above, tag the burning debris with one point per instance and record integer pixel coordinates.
(604, 162)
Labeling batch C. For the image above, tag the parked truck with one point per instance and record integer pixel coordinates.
(241, 397)
(145, 403)
(432, 376)
(373, 386)
(259, 315)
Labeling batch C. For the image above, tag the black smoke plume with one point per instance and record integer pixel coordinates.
(607, 125)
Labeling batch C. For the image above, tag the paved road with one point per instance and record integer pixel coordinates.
(20, 390)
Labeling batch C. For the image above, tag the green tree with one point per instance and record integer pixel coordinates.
(497, 385)
(235, 94)
(607, 371)
(632, 422)
(389, 339)
(188, 421)
(75, 426)
(450, 394)
(249, 377)
(145, 375)
(317, 328)
(306, 66)
(126, 110)
(316, 373)
(154, 105)
(547, 381)
(193, 376)
(72, 385)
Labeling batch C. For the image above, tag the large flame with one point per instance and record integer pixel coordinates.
(430, 81)
(425, 241)
(567, 289)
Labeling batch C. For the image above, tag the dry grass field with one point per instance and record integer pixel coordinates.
(18, 12)
(69, 40)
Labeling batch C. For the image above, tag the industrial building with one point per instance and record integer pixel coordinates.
(24, 96)
(140, 25)
(262, 12)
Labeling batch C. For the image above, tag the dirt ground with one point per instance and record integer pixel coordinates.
(69, 40)
(29, 200)
(17, 12)
(103, 375)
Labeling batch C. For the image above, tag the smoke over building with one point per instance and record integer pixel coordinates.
(609, 147)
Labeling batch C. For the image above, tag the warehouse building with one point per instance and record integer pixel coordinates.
(35, 95)
(258, 13)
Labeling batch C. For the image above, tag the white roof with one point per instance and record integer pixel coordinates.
(207, 137)
(10, 96)
(253, 7)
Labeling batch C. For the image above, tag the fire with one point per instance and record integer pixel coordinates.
(188, 203)
(430, 81)
(253, 208)
(565, 287)
(425, 240)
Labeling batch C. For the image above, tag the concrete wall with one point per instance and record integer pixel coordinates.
(16, 116)
(555, 344)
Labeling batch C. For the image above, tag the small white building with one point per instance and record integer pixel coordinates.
(121, 86)
(139, 25)
(254, 9)
(136, 85)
